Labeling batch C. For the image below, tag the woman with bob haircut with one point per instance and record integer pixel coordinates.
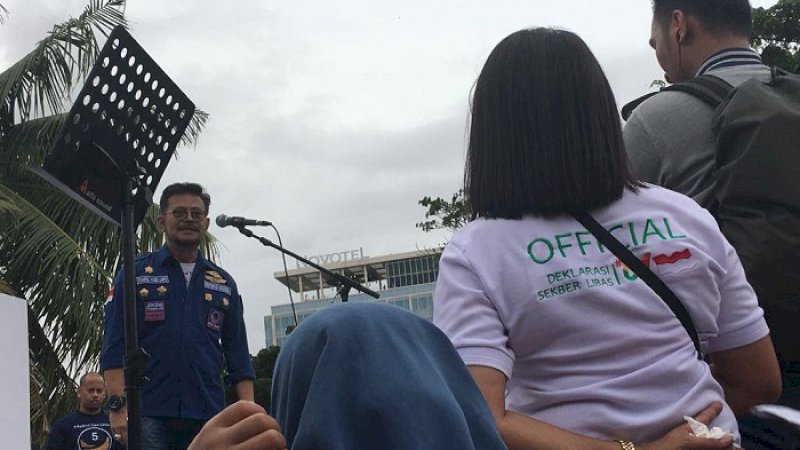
(570, 349)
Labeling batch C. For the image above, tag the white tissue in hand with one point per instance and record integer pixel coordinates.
(700, 429)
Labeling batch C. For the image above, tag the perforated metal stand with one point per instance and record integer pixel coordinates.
(135, 113)
(110, 154)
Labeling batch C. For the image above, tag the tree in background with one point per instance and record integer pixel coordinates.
(55, 253)
(776, 34)
(443, 214)
(264, 365)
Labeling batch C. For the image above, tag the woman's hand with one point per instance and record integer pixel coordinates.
(681, 438)
(241, 426)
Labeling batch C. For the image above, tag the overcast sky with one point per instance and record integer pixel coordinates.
(333, 118)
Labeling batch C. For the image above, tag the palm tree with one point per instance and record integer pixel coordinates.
(59, 256)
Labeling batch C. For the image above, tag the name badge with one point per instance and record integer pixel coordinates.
(151, 279)
(154, 311)
(217, 287)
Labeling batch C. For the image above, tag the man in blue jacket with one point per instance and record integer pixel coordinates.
(190, 321)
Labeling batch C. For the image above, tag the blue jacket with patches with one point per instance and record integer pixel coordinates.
(191, 333)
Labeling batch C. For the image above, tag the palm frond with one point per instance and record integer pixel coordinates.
(194, 128)
(40, 82)
(150, 238)
(5, 288)
(3, 14)
(8, 211)
(51, 387)
(27, 144)
(64, 280)
(40, 419)
(210, 247)
(7, 206)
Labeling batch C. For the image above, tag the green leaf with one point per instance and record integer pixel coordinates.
(443, 214)
(40, 83)
(776, 34)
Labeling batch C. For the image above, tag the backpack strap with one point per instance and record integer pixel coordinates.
(710, 89)
(627, 110)
(647, 275)
(779, 71)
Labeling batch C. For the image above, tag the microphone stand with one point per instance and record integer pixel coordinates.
(342, 282)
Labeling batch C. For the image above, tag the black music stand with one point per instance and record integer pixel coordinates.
(110, 154)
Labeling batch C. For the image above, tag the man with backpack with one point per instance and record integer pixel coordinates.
(669, 136)
(727, 133)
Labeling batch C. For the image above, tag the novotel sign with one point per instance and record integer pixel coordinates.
(333, 258)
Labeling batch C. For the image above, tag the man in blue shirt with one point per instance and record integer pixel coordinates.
(190, 321)
(88, 427)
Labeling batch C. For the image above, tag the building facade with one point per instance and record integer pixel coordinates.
(405, 280)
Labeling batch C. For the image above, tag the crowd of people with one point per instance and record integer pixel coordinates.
(542, 338)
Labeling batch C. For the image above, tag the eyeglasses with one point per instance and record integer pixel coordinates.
(183, 214)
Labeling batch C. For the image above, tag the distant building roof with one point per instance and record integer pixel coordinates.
(361, 270)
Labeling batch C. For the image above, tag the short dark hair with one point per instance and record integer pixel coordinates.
(88, 374)
(717, 16)
(184, 188)
(545, 135)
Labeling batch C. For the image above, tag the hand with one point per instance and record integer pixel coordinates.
(680, 438)
(241, 426)
(119, 424)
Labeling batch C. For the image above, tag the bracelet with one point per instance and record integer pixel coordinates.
(626, 445)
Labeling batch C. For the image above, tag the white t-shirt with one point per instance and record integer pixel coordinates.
(584, 344)
(188, 269)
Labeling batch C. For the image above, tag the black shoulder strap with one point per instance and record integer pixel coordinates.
(638, 267)
(708, 88)
(780, 71)
(627, 110)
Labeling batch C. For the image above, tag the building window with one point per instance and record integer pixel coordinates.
(413, 271)
(268, 335)
(401, 302)
(423, 306)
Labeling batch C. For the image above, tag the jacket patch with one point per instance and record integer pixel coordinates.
(215, 277)
(154, 311)
(161, 279)
(217, 287)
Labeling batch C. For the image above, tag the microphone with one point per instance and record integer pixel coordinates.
(227, 221)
